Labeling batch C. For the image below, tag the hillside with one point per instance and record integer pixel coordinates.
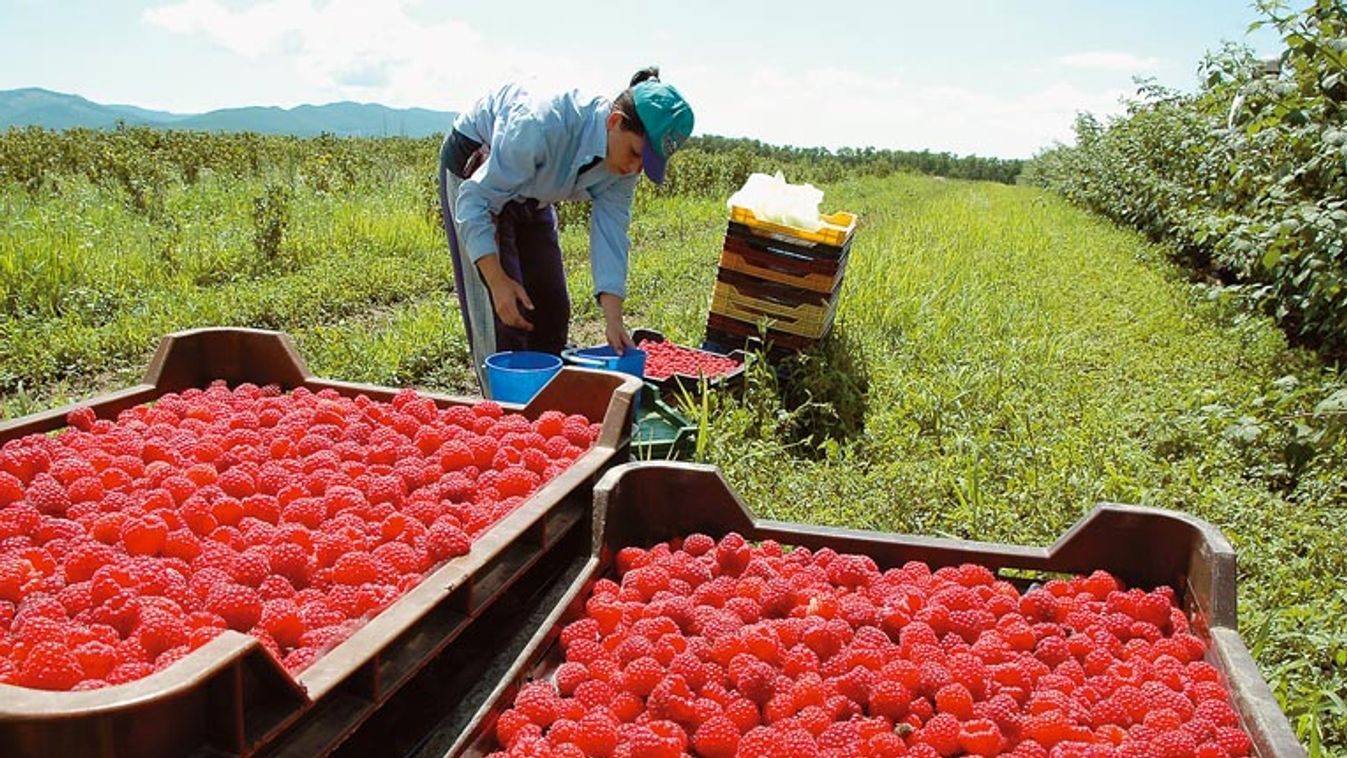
(55, 110)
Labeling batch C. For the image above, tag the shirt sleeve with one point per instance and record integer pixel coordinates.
(609, 220)
(517, 150)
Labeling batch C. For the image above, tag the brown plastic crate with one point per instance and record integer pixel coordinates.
(733, 333)
(812, 254)
(230, 697)
(743, 259)
(642, 504)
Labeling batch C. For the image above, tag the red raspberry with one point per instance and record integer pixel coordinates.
(980, 737)
(509, 725)
(85, 558)
(1234, 740)
(238, 483)
(538, 702)
(852, 571)
(160, 631)
(642, 675)
(281, 619)
(516, 482)
(570, 675)
(954, 699)
(144, 535)
(1174, 743)
(86, 489)
(942, 733)
(488, 409)
(597, 733)
(889, 699)
(96, 658)
(698, 544)
(1048, 727)
(1152, 608)
(239, 606)
(81, 418)
(550, 423)
(50, 666)
(47, 495)
(356, 568)
(1217, 712)
(444, 542)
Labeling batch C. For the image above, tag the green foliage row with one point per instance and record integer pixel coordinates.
(1246, 178)
(147, 166)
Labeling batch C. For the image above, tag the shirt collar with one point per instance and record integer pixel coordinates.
(594, 137)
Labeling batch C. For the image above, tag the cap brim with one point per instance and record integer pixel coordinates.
(653, 162)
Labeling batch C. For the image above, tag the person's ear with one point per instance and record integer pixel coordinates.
(614, 119)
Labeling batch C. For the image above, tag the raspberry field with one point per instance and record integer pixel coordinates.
(1002, 360)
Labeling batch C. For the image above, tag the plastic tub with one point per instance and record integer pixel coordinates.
(632, 360)
(662, 433)
(640, 504)
(605, 358)
(690, 383)
(516, 376)
(230, 697)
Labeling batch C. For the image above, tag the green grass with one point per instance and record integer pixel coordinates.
(1001, 363)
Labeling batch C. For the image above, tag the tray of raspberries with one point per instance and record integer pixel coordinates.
(267, 527)
(700, 630)
(670, 366)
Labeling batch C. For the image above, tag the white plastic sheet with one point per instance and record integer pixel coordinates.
(772, 198)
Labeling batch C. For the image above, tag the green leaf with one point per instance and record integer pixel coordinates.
(1334, 404)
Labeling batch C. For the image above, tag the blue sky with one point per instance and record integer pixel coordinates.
(977, 76)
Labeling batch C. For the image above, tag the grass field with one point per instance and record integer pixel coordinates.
(1001, 362)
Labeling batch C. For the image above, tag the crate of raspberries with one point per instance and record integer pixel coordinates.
(673, 367)
(698, 629)
(219, 559)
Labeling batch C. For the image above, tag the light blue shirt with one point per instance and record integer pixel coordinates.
(538, 145)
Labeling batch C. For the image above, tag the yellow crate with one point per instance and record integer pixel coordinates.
(837, 231)
(805, 320)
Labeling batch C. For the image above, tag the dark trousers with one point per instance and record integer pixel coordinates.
(526, 240)
(526, 236)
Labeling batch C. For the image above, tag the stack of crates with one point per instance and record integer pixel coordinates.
(788, 277)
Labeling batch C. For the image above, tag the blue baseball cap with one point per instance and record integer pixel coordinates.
(667, 118)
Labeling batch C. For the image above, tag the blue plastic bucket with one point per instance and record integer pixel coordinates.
(632, 360)
(516, 376)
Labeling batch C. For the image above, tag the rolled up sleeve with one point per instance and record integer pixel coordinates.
(516, 153)
(610, 219)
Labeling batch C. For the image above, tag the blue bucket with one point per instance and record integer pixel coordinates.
(632, 360)
(516, 376)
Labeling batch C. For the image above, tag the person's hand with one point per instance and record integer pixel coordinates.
(618, 339)
(508, 296)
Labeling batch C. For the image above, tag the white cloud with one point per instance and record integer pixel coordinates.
(355, 49)
(1107, 60)
(376, 51)
(834, 107)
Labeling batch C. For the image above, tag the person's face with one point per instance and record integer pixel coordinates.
(624, 147)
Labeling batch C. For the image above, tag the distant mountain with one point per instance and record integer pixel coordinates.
(55, 110)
